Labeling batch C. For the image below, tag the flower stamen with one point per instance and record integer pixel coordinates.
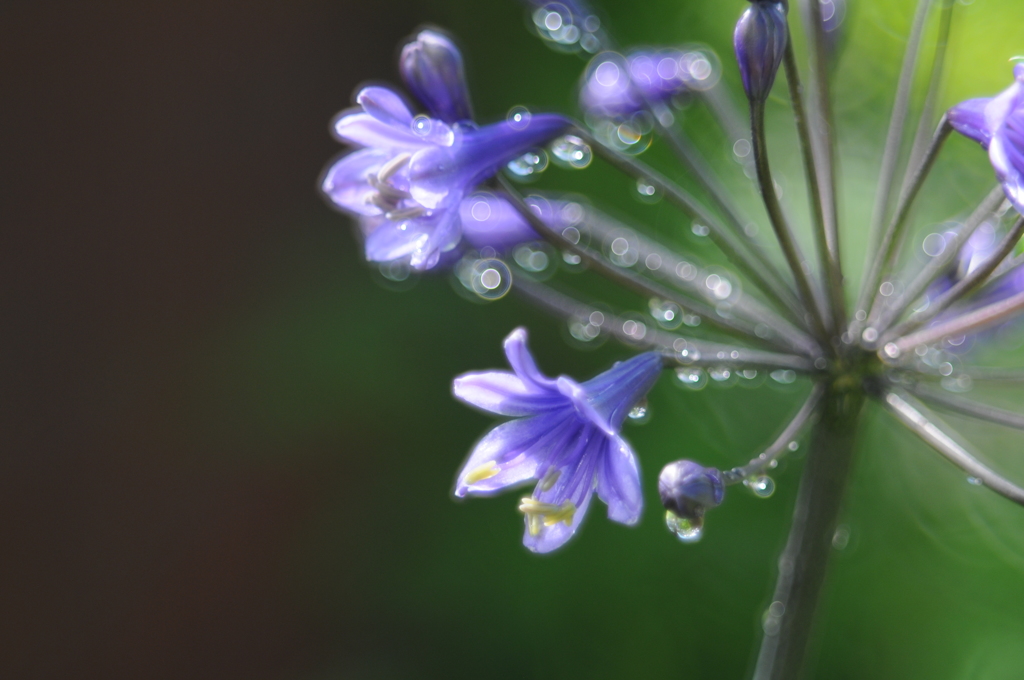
(551, 514)
(485, 471)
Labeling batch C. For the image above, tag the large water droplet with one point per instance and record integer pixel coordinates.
(530, 163)
(572, 152)
(784, 376)
(686, 530)
(640, 412)
(762, 486)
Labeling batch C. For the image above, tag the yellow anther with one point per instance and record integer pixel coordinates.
(549, 513)
(549, 479)
(485, 471)
(533, 524)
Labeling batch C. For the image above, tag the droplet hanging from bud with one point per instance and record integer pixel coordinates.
(687, 490)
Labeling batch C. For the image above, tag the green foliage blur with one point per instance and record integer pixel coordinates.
(931, 584)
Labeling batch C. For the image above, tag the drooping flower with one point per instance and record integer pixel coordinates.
(614, 85)
(997, 123)
(415, 171)
(760, 43)
(431, 66)
(565, 436)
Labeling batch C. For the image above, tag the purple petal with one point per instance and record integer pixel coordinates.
(385, 106)
(445, 233)
(362, 129)
(490, 221)
(504, 393)
(390, 241)
(345, 182)
(968, 118)
(521, 361)
(511, 453)
(582, 403)
(574, 485)
(618, 482)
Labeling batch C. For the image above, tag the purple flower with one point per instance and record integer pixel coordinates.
(565, 436)
(415, 171)
(997, 123)
(432, 69)
(614, 85)
(760, 42)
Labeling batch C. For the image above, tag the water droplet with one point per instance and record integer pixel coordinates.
(396, 270)
(489, 278)
(784, 376)
(686, 530)
(519, 117)
(869, 335)
(691, 320)
(692, 378)
(421, 125)
(571, 258)
(646, 190)
(530, 163)
(722, 376)
(700, 229)
(974, 480)
(960, 383)
(933, 245)
(640, 412)
(762, 486)
(771, 620)
(584, 331)
(532, 257)
(841, 538)
(572, 151)
(668, 314)
(793, 446)
(634, 330)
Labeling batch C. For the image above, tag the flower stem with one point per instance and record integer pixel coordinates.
(782, 231)
(889, 245)
(827, 258)
(802, 567)
(893, 142)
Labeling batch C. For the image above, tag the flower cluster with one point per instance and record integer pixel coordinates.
(423, 185)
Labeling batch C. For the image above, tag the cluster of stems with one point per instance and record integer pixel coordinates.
(796, 317)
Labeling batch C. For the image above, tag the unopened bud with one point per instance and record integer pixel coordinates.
(431, 67)
(760, 42)
(688, 489)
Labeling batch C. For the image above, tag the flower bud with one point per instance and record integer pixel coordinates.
(760, 41)
(688, 489)
(431, 67)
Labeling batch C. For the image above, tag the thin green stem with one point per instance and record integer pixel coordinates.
(893, 142)
(781, 444)
(916, 417)
(824, 144)
(782, 231)
(927, 117)
(889, 245)
(831, 273)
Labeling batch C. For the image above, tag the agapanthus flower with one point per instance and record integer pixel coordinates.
(565, 436)
(760, 42)
(415, 170)
(997, 123)
(614, 85)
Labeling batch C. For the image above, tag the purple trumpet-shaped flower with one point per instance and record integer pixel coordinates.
(997, 123)
(760, 43)
(415, 171)
(565, 436)
(431, 66)
(490, 221)
(614, 85)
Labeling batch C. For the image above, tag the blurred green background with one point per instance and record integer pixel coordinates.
(230, 450)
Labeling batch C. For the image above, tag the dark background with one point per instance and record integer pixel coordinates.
(227, 452)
